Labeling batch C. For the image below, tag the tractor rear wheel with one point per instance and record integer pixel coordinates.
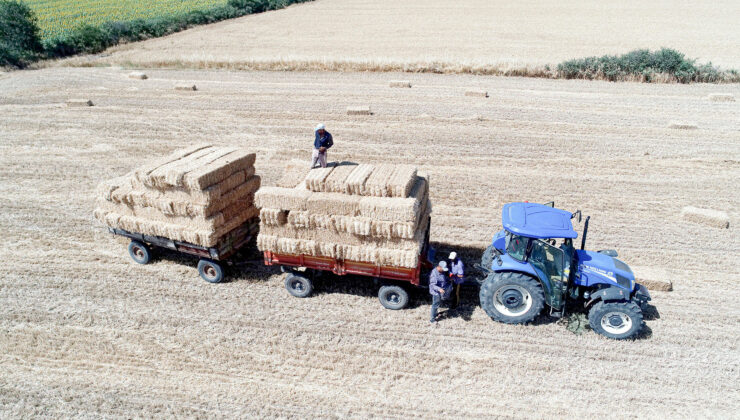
(298, 285)
(512, 298)
(617, 320)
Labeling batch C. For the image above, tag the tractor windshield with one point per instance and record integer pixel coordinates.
(516, 246)
(550, 260)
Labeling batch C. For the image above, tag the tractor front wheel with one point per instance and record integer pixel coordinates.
(512, 298)
(617, 320)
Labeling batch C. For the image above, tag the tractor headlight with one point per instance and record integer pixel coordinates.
(624, 282)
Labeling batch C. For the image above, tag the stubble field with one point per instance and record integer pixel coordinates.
(478, 36)
(86, 332)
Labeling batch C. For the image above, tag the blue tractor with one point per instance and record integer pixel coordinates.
(532, 263)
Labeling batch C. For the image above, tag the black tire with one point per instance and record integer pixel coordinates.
(298, 285)
(210, 271)
(511, 298)
(139, 252)
(393, 297)
(617, 320)
(487, 258)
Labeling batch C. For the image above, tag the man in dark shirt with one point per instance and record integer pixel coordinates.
(439, 287)
(322, 142)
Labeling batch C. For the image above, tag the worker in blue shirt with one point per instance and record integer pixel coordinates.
(439, 287)
(322, 142)
(457, 275)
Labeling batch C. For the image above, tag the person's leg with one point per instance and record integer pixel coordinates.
(435, 307)
(455, 296)
(314, 158)
(322, 159)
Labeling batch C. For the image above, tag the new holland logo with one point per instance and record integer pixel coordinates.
(597, 270)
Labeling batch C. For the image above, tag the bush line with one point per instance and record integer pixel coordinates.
(20, 44)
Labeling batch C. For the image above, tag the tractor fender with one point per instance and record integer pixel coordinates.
(609, 294)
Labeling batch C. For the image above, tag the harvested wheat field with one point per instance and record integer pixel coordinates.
(88, 333)
(479, 36)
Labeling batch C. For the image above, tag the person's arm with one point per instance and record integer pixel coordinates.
(329, 141)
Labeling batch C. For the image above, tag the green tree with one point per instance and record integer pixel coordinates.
(19, 34)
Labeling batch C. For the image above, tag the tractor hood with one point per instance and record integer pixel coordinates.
(598, 268)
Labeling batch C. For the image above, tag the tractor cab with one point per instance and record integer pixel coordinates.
(536, 247)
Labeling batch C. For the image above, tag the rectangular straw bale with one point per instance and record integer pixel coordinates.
(477, 92)
(316, 178)
(142, 173)
(297, 246)
(397, 258)
(273, 217)
(359, 110)
(682, 125)
(400, 83)
(267, 242)
(707, 217)
(354, 225)
(294, 173)
(322, 221)
(299, 219)
(401, 181)
(219, 169)
(377, 183)
(79, 102)
(355, 183)
(106, 188)
(337, 179)
(333, 203)
(170, 175)
(282, 198)
(721, 97)
(391, 209)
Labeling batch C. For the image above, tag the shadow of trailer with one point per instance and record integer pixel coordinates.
(394, 281)
(212, 260)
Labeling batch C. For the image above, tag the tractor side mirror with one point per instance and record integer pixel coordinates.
(578, 215)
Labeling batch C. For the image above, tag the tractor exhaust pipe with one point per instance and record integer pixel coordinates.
(585, 232)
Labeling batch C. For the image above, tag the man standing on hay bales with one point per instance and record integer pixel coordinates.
(438, 287)
(322, 142)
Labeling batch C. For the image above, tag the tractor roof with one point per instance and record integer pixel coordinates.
(537, 221)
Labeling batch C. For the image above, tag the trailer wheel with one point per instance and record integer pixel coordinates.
(298, 285)
(139, 252)
(210, 271)
(393, 297)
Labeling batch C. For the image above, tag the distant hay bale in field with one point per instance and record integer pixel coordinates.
(186, 87)
(400, 84)
(358, 110)
(138, 75)
(294, 173)
(708, 217)
(680, 125)
(79, 102)
(477, 92)
(721, 97)
(654, 278)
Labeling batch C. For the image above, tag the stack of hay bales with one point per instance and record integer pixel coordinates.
(198, 195)
(376, 214)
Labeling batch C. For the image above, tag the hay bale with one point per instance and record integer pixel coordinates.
(358, 110)
(273, 217)
(400, 84)
(316, 178)
(721, 97)
(337, 179)
(79, 103)
(137, 75)
(299, 219)
(333, 203)
(477, 92)
(266, 242)
(377, 183)
(186, 87)
(682, 125)
(401, 181)
(282, 198)
(294, 173)
(355, 182)
(654, 278)
(707, 217)
(142, 173)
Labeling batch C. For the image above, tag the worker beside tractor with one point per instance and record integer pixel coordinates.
(439, 288)
(457, 276)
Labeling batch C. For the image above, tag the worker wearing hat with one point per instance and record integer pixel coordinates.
(322, 142)
(457, 275)
(439, 287)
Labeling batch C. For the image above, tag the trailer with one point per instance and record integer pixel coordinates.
(212, 260)
(393, 293)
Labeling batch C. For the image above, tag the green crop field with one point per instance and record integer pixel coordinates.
(58, 17)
